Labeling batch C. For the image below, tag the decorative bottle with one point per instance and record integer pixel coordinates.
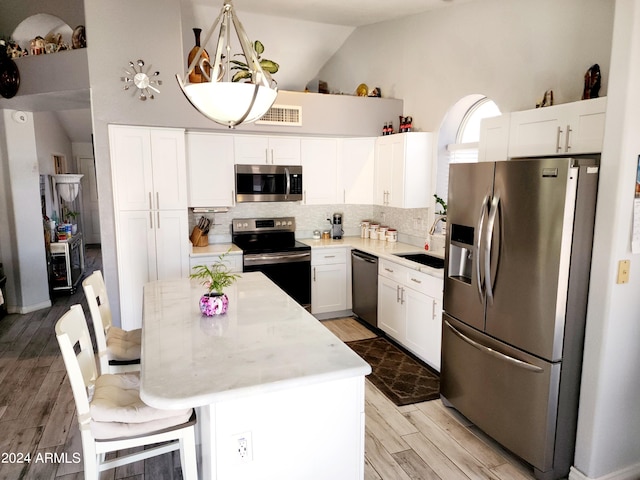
(196, 75)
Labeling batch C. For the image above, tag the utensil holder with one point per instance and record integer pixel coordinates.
(199, 238)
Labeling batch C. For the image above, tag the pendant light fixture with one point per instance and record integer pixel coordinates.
(218, 97)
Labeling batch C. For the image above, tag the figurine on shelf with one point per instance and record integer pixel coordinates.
(38, 45)
(592, 81)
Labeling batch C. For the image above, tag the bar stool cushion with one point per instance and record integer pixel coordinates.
(117, 410)
(124, 345)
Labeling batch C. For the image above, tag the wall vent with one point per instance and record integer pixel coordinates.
(282, 115)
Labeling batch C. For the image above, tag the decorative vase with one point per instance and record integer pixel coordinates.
(214, 303)
(197, 76)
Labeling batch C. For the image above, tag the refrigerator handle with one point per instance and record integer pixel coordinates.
(487, 247)
(494, 353)
(478, 247)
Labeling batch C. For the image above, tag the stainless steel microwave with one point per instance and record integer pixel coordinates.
(268, 183)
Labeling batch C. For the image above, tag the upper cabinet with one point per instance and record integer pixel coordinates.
(210, 162)
(319, 158)
(356, 167)
(338, 170)
(494, 138)
(403, 165)
(262, 149)
(150, 173)
(570, 128)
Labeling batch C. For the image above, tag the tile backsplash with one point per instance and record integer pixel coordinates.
(412, 224)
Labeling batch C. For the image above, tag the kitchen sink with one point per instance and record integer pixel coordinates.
(423, 258)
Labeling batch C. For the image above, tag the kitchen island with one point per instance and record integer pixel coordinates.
(278, 396)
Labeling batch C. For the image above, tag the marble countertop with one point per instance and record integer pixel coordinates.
(265, 342)
(215, 249)
(381, 249)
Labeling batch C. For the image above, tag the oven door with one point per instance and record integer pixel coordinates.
(291, 271)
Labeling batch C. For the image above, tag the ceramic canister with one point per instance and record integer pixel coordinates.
(382, 232)
(364, 228)
(392, 235)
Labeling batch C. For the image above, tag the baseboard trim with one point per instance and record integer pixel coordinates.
(29, 308)
(630, 473)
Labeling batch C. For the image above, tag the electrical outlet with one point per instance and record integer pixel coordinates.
(243, 447)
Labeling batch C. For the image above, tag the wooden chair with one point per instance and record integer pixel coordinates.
(110, 413)
(118, 349)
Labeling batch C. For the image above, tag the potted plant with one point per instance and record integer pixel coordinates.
(243, 71)
(215, 278)
(70, 217)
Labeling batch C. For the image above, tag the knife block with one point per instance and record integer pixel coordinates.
(199, 238)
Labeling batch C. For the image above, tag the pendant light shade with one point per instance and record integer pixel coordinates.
(68, 185)
(217, 96)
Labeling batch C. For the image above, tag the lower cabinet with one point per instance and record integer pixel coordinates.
(329, 274)
(410, 309)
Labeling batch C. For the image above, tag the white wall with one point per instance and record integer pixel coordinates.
(23, 252)
(511, 51)
(609, 420)
(51, 139)
(309, 44)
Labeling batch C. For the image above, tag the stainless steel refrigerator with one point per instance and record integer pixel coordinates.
(518, 256)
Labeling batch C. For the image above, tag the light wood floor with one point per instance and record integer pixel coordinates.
(37, 416)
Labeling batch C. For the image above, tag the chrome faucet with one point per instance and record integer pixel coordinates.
(439, 218)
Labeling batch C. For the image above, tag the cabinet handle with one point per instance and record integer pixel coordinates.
(397, 293)
(433, 310)
(558, 148)
(150, 220)
(401, 295)
(266, 156)
(158, 214)
(158, 200)
(304, 197)
(388, 270)
(329, 256)
(314, 274)
(344, 196)
(566, 141)
(416, 280)
(150, 202)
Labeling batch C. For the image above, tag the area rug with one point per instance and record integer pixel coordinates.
(400, 377)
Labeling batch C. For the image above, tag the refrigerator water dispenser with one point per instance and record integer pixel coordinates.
(461, 253)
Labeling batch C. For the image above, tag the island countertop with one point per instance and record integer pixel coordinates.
(265, 342)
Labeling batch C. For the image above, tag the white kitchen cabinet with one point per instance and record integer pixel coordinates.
(319, 159)
(152, 245)
(262, 149)
(403, 165)
(570, 128)
(150, 199)
(494, 138)
(210, 170)
(356, 167)
(391, 318)
(329, 280)
(410, 309)
(149, 168)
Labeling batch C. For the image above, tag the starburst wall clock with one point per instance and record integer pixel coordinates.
(139, 77)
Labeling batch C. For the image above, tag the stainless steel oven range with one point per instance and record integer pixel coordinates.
(269, 246)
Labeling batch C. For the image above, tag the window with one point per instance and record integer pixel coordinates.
(465, 148)
(459, 135)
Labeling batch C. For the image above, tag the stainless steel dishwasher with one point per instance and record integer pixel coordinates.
(365, 286)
